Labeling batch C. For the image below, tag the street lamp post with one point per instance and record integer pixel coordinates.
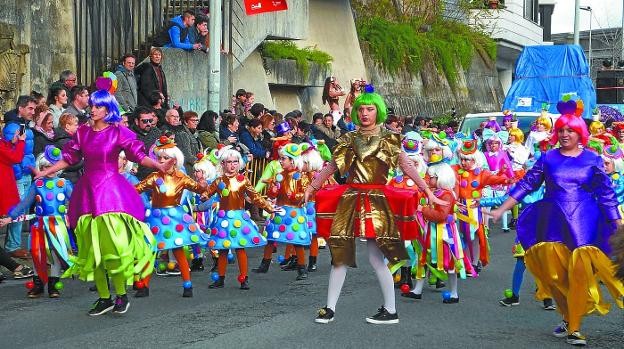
(589, 9)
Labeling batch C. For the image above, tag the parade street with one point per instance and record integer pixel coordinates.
(279, 312)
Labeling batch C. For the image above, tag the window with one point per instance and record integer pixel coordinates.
(531, 10)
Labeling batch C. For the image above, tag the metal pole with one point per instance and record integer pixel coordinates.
(591, 14)
(622, 34)
(577, 18)
(214, 55)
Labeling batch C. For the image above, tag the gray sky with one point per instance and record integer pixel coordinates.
(607, 14)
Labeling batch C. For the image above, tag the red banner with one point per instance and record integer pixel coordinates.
(254, 7)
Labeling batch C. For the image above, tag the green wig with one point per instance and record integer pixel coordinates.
(367, 98)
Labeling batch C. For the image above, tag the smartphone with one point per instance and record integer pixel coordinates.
(22, 129)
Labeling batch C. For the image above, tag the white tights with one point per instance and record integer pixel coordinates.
(376, 258)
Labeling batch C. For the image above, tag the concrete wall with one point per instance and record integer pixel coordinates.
(47, 27)
(251, 76)
(250, 31)
(187, 78)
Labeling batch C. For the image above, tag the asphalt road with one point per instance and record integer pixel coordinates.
(278, 312)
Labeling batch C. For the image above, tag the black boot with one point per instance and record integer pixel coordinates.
(197, 264)
(408, 277)
(311, 264)
(302, 272)
(37, 289)
(245, 284)
(292, 265)
(264, 266)
(403, 279)
(215, 262)
(52, 291)
(219, 283)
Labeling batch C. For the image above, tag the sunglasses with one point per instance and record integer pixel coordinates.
(147, 121)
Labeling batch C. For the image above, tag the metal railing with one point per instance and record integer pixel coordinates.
(105, 30)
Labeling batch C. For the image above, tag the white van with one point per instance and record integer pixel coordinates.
(471, 122)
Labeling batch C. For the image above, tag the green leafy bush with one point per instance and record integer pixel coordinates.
(283, 49)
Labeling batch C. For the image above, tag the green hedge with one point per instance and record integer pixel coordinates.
(283, 49)
(448, 44)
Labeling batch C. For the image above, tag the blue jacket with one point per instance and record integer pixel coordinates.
(255, 147)
(21, 169)
(174, 36)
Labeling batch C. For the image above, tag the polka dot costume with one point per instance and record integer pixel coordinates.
(174, 227)
(310, 212)
(289, 227)
(234, 229)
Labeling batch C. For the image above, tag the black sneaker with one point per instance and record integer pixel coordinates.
(142, 292)
(510, 301)
(188, 292)
(549, 305)
(101, 306)
(412, 295)
(122, 304)
(452, 300)
(325, 316)
(440, 284)
(23, 273)
(576, 338)
(383, 317)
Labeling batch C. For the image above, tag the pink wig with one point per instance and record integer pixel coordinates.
(575, 123)
(571, 112)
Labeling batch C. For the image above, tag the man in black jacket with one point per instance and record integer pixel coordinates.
(151, 77)
(147, 132)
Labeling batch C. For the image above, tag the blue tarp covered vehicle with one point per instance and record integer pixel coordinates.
(544, 74)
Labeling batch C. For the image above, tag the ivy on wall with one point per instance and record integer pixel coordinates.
(406, 42)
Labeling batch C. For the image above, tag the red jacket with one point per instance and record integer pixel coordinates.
(9, 154)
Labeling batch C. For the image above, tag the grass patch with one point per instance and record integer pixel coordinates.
(284, 49)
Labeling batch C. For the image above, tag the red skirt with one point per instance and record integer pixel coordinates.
(402, 202)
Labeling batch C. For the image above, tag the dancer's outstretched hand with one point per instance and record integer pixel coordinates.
(494, 214)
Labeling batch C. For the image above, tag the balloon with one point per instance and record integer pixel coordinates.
(280, 259)
(230, 257)
(508, 293)
(187, 284)
(446, 295)
(30, 285)
(241, 278)
(162, 266)
(397, 277)
(171, 265)
(214, 276)
(140, 284)
(59, 285)
(405, 288)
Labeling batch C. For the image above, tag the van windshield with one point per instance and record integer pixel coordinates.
(469, 125)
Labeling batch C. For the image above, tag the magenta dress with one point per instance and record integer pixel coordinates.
(102, 189)
(105, 210)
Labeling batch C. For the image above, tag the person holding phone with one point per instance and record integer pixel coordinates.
(25, 112)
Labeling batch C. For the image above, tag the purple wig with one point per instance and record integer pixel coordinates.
(508, 117)
(493, 125)
(103, 98)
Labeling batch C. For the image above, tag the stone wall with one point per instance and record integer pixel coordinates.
(46, 27)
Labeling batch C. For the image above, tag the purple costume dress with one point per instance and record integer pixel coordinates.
(105, 210)
(566, 234)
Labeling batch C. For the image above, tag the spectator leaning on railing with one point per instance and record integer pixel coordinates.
(176, 33)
